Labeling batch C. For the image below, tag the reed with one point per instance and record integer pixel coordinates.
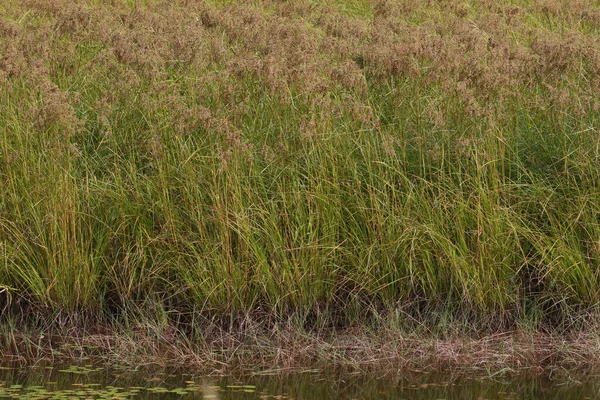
(330, 163)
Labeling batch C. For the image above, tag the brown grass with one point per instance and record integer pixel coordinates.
(288, 350)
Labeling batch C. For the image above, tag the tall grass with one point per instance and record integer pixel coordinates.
(327, 160)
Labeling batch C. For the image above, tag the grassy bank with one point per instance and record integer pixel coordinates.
(254, 349)
(398, 165)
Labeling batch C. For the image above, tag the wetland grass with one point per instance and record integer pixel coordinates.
(422, 168)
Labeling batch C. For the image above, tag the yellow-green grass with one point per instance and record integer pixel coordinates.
(332, 161)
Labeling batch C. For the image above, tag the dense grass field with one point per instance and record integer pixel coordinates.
(321, 163)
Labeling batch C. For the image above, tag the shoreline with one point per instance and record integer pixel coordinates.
(356, 350)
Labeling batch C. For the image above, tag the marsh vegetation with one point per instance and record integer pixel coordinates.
(187, 169)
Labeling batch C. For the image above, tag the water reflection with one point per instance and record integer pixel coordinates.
(210, 390)
(86, 381)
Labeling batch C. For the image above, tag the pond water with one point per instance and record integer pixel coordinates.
(87, 381)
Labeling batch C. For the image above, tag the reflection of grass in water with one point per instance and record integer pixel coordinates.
(83, 391)
(79, 370)
(210, 391)
(96, 387)
(427, 166)
(423, 385)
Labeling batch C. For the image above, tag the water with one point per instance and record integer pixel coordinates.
(86, 381)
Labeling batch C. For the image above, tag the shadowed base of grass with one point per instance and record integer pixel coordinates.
(250, 345)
